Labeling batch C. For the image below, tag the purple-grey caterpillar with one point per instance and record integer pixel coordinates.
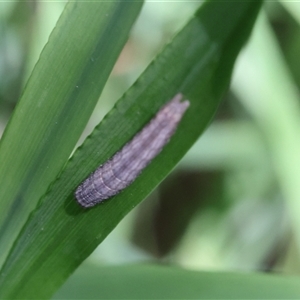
(122, 169)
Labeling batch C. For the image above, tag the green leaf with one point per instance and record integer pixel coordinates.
(56, 105)
(59, 234)
(157, 282)
(273, 102)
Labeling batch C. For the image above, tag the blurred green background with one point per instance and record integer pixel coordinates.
(237, 190)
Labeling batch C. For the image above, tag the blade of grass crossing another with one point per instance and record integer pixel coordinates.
(198, 62)
(56, 105)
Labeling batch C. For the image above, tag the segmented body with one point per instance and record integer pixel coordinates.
(122, 169)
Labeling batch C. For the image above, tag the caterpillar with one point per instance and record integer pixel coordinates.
(124, 167)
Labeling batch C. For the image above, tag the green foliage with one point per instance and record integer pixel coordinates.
(141, 281)
(41, 251)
